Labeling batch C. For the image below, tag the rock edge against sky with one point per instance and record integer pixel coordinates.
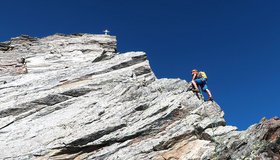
(80, 99)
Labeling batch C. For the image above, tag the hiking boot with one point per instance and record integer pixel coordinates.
(210, 99)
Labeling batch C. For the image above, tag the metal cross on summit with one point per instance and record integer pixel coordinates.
(106, 32)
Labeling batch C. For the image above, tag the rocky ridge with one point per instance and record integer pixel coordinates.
(81, 99)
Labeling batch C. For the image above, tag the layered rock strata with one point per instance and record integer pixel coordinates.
(81, 99)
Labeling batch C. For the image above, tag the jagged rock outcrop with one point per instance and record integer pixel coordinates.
(80, 99)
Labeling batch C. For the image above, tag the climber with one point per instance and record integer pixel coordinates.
(200, 78)
(106, 32)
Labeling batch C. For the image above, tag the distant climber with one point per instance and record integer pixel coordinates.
(200, 79)
(106, 32)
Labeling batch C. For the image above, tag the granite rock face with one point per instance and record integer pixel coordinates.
(80, 99)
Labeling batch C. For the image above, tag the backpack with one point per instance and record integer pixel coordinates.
(202, 74)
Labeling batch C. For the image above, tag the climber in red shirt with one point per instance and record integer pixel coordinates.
(200, 79)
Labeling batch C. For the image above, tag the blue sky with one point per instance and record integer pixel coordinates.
(236, 41)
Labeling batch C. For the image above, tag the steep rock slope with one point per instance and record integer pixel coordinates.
(80, 99)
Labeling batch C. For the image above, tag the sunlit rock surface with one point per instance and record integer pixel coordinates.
(78, 98)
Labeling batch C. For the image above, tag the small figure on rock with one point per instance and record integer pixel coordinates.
(106, 32)
(200, 79)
